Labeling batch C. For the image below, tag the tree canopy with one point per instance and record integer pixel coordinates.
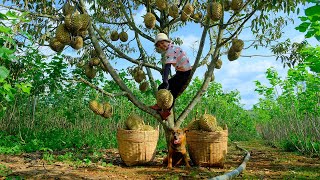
(92, 27)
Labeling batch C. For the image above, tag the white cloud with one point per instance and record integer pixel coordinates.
(241, 74)
(249, 102)
(236, 69)
(190, 42)
(299, 38)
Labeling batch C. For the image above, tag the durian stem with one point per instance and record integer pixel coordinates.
(148, 6)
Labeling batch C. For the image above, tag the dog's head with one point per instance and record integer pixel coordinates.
(178, 136)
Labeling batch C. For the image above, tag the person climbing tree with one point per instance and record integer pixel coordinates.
(176, 57)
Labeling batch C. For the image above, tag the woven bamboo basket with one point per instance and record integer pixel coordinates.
(207, 149)
(137, 147)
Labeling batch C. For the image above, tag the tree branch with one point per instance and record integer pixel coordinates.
(99, 89)
(115, 75)
(33, 14)
(121, 54)
(143, 57)
(132, 24)
(238, 29)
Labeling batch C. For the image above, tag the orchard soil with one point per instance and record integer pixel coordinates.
(265, 163)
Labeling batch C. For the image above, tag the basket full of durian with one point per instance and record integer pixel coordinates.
(207, 142)
(137, 141)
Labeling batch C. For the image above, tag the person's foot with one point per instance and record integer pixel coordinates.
(164, 114)
(155, 107)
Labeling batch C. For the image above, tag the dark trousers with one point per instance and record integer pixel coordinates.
(178, 83)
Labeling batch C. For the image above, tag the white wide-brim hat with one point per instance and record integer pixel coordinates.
(161, 37)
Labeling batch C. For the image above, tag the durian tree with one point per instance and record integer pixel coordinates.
(99, 30)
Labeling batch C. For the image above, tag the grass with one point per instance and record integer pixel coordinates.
(4, 170)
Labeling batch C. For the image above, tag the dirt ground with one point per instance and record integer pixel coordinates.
(265, 163)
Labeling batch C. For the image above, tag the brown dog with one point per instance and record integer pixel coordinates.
(177, 149)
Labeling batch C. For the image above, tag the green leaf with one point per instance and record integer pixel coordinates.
(12, 15)
(314, 18)
(25, 87)
(4, 72)
(5, 30)
(7, 87)
(3, 16)
(303, 18)
(314, 10)
(310, 34)
(303, 26)
(5, 52)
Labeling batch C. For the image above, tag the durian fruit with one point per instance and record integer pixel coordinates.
(138, 74)
(76, 21)
(96, 107)
(233, 55)
(93, 105)
(93, 53)
(67, 9)
(114, 36)
(226, 5)
(161, 4)
(174, 11)
(188, 9)
(123, 36)
(218, 64)
(56, 45)
(197, 16)
(107, 113)
(68, 21)
(149, 20)
(215, 11)
(144, 86)
(134, 122)
(235, 49)
(90, 71)
(77, 42)
(208, 122)
(82, 33)
(237, 44)
(236, 5)
(219, 128)
(164, 99)
(85, 19)
(95, 61)
(146, 128)
(184, 17)
(100, 109)
(194, 125)
(62, 34)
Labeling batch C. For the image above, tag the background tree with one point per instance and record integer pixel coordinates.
(220, 23)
